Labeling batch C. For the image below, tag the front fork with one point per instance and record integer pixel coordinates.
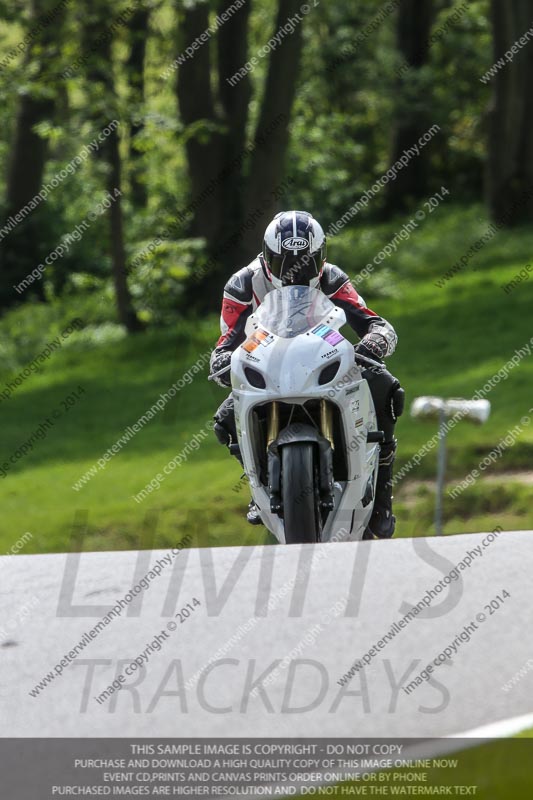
(326, 422)
(325, 444)
(273, 423)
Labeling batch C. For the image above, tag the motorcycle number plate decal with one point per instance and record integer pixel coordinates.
(328, 334)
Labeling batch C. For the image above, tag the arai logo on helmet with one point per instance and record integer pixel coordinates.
(295, 243)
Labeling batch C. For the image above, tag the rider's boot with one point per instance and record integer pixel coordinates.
(383, 522)
(226, 434)
(253, 515)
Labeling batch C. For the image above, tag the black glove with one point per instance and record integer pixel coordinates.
(373, 345)
(219, 362)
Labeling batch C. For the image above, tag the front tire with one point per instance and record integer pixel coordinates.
(300, 496)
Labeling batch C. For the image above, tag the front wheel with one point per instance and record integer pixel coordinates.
(300, 494)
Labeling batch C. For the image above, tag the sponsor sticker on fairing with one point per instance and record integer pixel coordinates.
(328, 334)
(257, 338)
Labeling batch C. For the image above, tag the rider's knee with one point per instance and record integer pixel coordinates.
(223, 435)
(224, 427)
(228, 439)
(396, 402)
(388, 395)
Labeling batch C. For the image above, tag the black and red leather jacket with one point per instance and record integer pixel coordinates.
(247, 288)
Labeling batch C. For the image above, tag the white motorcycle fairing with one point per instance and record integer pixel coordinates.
(295, 376)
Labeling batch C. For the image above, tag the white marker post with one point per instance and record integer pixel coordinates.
(476, 411)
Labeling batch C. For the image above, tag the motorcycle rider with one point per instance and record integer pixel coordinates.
(294, 253)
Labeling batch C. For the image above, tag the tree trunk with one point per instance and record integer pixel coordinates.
(234, 186)
(99, 71)
(216, 163)
(510, 159)
(268, 158)
(138, 30)
(412, 113)
(21, 248)
(205, 142)
(232, 52)
(126, 311)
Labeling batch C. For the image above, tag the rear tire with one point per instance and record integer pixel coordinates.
(300, 494)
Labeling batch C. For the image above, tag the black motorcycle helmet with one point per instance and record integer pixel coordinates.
(294, 249)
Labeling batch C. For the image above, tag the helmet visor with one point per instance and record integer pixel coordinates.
(295, 270)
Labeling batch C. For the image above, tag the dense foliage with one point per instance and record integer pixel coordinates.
(352, 86)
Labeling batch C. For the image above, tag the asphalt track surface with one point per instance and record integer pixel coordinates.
(308, 612)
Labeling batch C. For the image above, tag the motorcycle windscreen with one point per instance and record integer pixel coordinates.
(293, 310)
